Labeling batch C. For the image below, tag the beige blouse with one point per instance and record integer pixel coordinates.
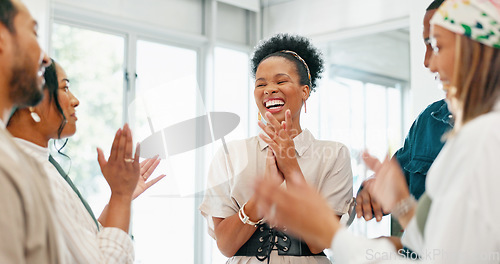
(28, 223)
(326, 165)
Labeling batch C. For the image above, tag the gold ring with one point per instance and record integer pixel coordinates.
(128, 160)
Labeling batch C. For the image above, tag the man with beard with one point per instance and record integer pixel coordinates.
(27, 220)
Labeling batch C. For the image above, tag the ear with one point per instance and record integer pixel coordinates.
(305, 92)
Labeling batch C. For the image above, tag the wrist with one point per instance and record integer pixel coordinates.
(404, 208)
(290, 169)
(245, 219)
(250, 210)
(121, 197)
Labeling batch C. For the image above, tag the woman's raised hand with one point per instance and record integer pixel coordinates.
(122, 169)
(147, 168)
(272, 173)
(280, 140)
(389, 184)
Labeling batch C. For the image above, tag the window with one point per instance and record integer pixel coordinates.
(98, 84)
(230, 94)
(362, 116)
(167, 94)
(153, 72)
(360, 103)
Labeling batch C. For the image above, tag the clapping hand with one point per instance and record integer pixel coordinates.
(389, 185)
(147, 168)
(280, 140)
(122, 169)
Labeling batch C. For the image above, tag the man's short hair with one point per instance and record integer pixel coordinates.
(434, 5)
(7, 13)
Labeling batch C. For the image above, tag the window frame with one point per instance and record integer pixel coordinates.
(203, 44)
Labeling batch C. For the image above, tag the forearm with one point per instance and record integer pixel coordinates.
(231, 233)
(104, 215)
(118, 213)
(321, 238)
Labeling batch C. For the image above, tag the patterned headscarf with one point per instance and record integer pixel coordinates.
(475, 19)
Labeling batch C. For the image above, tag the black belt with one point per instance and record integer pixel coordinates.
(265, 239)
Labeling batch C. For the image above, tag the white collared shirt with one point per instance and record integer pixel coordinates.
(462, 225)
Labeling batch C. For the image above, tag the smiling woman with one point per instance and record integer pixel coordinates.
(87, 240)
(286, 70)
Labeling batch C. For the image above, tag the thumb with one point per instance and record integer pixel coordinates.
(100, 158)
(372, 162)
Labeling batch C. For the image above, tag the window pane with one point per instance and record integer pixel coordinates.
(98, 84)
(231, 85)
(167, 93)
(231, 93)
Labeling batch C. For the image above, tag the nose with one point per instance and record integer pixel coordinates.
(433, 64)
(428, 56)
(74, 101)
(45, 60)
(270, 89)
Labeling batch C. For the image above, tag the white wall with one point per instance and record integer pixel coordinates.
(181, 15)
(39, 9)
(317, 17)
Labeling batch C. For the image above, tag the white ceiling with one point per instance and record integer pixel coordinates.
(384, 54)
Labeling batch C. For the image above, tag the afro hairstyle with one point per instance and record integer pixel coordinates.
(298, 44)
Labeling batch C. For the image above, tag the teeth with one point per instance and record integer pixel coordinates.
(274, 103)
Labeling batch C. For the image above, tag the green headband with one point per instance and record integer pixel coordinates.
(478, 20)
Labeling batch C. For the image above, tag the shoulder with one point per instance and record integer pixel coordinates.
(481, 132)
(426, 114)
(328, 144)
(236, 148)
(476, 146)
(331, 150)
(433, 107)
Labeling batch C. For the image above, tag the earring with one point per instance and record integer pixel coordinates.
(34, 115)
(305, 107)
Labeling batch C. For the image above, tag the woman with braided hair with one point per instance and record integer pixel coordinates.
(286, 69)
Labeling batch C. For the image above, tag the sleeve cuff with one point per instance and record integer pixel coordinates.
(116, 245)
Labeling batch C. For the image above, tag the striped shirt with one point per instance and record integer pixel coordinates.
(85, 243)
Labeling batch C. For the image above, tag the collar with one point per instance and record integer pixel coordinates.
(2, 124)
(443, 114)
(302, 142)
(32, 148)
